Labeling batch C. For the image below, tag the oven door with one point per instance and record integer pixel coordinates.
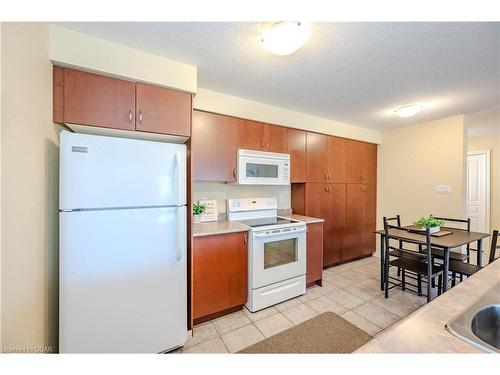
(277, 255)
(263, 171)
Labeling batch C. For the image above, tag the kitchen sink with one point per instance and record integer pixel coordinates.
(479, 324)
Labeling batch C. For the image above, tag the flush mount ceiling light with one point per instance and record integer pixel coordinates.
(408, 110)
(284, 38)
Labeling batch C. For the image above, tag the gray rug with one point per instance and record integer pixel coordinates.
(326, 333)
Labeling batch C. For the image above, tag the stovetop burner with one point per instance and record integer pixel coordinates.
(266, 221)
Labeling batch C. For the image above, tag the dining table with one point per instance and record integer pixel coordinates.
(456, 238)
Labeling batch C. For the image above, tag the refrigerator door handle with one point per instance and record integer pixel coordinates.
(178, 244)
(176, 177)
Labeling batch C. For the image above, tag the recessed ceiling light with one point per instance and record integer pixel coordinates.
(408, 110)
(284, 38)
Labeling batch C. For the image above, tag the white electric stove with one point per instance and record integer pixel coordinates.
(276, 252)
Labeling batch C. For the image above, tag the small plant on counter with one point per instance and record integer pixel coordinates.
(429, 222)
(198, 210)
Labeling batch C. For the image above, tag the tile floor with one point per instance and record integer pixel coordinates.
(350, 290)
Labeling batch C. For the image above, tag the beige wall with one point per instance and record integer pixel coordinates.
(221, 191)
(492, 143)
(29, 157)
(412, 160)
(68, 47)
(218, 102)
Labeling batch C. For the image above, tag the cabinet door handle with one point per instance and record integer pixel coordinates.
(267, 144)
(140, 117)
(234, 172)
(130, 115)
(261, 144)
(245, 239)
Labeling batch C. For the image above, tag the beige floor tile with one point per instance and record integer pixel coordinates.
(370, 270)
(214, 345)
(361, 323)
(395, 305)
(299, 314)
(202, 332)
(242, 337)
(372, 283)
(376, 314)
(287, 304)
(324, 304)
(259, 314)
(311, 294)
(365, 292)
(273, 324)
(339, 281)
(346, 299)
(355, 276)
(327, 287)
(231, 322)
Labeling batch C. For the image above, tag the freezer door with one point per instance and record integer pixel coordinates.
(104, 172)
(123, 280)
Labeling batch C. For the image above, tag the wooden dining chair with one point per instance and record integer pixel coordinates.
(468, 269)
(422, 265)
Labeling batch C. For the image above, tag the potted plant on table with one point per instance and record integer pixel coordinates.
(430, 222)
(198, 210)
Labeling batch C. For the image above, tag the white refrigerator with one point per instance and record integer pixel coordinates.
(122, 260)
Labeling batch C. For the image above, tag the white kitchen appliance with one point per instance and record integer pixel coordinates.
(263, 168)
(122, 260)
(276, 252)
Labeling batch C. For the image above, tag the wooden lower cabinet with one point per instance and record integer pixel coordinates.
(314, 253)
(220, 274)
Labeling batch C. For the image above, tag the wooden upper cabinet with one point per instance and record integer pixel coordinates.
(361, 162)
(336, 159)
(250, 135)
(162, 110)
(297, 150)
(316, 157)
(213, 145)
(95, 100)
(219, 273)
(254, 135)
(275, 138)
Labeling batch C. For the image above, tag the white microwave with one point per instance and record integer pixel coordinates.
(263, 168)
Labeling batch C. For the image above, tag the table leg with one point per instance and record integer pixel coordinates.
(480, 253)
(446, 266)
(382, 262)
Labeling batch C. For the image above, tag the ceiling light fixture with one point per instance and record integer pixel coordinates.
(284, 38)
(408, 110)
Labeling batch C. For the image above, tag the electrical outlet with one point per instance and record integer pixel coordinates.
(442, 189)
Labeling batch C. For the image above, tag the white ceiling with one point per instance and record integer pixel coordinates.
(351, 72)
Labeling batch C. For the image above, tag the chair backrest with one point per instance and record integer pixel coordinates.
(458, 221)
(396, 218)
(424, 242)
(494, 246)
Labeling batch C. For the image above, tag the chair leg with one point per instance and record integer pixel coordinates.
(433, 282)
(419, 284)
(403, 280)
(399, 271)
(429, 288)
(453, 279)
(440, 284)
(386, 282)
(461, 277)
(468, 256)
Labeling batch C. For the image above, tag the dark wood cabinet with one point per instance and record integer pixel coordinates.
(219, 273)
(359, 237)
(254, 135)
(361, 166)
(95, 100)
(327, 201)
(162, 110)
(314, 253)
(297, 150)
(214, 144)
(325, 158)
(84, 98)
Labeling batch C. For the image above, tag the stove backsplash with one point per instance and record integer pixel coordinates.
(221, 191)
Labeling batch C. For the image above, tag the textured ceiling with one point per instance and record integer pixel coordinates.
(351, 72)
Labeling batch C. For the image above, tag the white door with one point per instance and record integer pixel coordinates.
(107, 172)
(478, 190)
(123, 280)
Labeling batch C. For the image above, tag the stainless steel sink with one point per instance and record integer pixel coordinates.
(479, 324)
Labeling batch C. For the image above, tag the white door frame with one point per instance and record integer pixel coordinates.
(487, 174)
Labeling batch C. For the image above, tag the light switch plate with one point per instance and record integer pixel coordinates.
(442, 189)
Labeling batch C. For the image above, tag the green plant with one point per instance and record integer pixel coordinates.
(429, 222)
(198, 209)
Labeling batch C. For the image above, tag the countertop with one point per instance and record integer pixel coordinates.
(424, 330)
(225, 226)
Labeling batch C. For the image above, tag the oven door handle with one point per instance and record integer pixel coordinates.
(281, 232)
